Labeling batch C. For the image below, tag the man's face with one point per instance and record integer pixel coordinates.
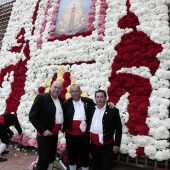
(56, 89)
(100, 100)
(75, 92)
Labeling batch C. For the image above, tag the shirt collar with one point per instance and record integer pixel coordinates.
(54, 99)
(104, 107)
(77, 102)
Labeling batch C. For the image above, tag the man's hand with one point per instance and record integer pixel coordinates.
(116, 149)
(47, 133)
(111, 105)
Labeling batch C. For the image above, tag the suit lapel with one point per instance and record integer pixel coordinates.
(92, 114)
(51, 100)
(106, 112)
(84, 103)
(71, 105)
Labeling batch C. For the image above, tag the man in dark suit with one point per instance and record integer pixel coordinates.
(76, 117)
(7, 120)
(46, 115)
(104, 123)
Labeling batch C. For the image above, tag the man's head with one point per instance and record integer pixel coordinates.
(75, 92)
(101, 98)
(56, 89)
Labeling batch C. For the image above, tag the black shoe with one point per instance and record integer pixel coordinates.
(4, 152)
(3, 159)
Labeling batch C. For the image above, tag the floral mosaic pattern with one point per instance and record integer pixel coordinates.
(124, 51)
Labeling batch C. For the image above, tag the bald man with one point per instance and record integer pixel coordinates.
(46, 116)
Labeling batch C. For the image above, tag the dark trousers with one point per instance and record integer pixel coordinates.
(78, 145)
(3, 134)
(47, 146)
(102, 157)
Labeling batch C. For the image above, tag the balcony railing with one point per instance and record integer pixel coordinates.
(5, 13)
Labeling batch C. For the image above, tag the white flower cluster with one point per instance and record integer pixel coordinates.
(46, 61)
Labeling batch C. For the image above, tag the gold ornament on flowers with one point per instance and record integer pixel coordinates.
(60, 74)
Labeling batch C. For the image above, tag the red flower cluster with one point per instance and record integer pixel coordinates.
(19, 69)
(66, 83)
(130, 20)
(54, 78)
(140, 151)
(136, 49)
(139, 89)
(91, 16)
(41, 89)
(64, 37)
(80, 62)
(34, 17)
(101, 24)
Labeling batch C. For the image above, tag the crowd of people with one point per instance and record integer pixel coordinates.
(91, 129)
(88, 127)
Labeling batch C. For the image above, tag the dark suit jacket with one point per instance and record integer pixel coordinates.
(69, 111)
(111, 124)
(10, 120)
(42, 114)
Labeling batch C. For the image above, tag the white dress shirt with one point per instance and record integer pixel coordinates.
(59, 112)
(97, 124)
(79, 113)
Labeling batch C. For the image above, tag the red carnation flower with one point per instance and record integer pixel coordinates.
(140, 151)
(41, 89)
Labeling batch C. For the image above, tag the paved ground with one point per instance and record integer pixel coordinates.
(21, 160)
(18, 160)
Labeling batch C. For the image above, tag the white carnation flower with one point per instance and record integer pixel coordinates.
(123, 148)
(161, 144)
(141, 141)
(153, 122)
(124, 129)
(164, 92)
(159, 133)
(160, 73)
(126, 139)
(166, 154)
(132, 153)
(150, 150)
(166, 123)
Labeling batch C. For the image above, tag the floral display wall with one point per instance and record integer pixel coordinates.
(124, 50)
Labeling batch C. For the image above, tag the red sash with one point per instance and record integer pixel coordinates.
(95, 139)
(2, 121)
(75, 128)
(54, 131)
(56, 128)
